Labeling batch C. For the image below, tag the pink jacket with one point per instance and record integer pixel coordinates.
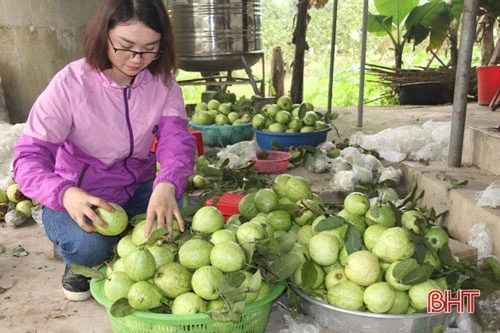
(86, 131)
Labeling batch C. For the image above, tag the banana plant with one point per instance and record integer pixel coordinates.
(438, 20)
(390, 21)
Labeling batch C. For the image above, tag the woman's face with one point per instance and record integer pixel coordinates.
(126, 42)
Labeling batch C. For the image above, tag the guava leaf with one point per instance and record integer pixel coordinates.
(225, 313)
(486, 283)
(165, 307)
(308, 275)
(121, 308)
(210, 171)
(374, 211)
(353, 240)
(156, 235)
(302, 110)
(286, 242)
(231, 280)
(235, 295)
(283, 267)
(421, 247)
(330, 223)
(137, 218)
(2, 249)
(493, 264)
(189, 210)
(313, 206)
(418, 275)
(293, 300)
(403, 268)
(445, 256)
(268, 246)
(19, 252)
(87, 271)
(254, 282)
(2, 290)
(249, 251)
(231, 289)
(288, 207)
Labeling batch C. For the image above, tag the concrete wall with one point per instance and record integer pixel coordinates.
(38, 38)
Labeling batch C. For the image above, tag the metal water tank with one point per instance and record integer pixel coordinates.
(217, 35)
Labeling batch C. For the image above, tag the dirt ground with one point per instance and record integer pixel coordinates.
(34, 301)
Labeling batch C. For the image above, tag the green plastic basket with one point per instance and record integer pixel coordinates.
(253, 320)
(221, 136)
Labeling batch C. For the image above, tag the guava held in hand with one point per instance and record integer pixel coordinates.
(117, 221)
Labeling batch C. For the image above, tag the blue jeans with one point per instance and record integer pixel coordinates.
(90, 248)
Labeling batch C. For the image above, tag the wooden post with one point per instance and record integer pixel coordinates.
(495, 57)
(299, 39)
(277, 74)
(486, 26)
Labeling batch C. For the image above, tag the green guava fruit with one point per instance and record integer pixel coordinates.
(195, 253)
(346, 295)
(379, 297)
(173, 279)
(205, 282)
(228, 257)
(140, 264)
(362, 267)
(143, 295)
(394, 244)
(188, 303)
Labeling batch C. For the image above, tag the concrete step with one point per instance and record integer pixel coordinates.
(461, 203)
(481, 147)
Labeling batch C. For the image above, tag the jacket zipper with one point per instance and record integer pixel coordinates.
(82, 174)
(126, 96)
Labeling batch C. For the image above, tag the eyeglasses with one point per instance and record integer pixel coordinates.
(126, 54)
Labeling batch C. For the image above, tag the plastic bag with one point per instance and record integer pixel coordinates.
(462, 322)
(412, 142)
(9, 134)
(300, 324)
(479, 237)
(239, 153)
(350, 154)
(390, 173)
(343, 181)
(340, 164)
(490, 197)
(369, 161)
(362, 175)
(319, 164)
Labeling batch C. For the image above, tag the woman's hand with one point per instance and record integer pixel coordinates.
(79, 205)
(163, 207)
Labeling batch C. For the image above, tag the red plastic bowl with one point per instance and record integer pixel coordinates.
(274, 162)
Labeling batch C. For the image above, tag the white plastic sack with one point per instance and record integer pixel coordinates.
(9, 134)
(319, 163)
(300, 324)
(390, 173)
(479, 236)
(343, 181)
(408, 142)
(490, 197)
(239, 153)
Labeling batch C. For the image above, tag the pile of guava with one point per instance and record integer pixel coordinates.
(15, 207)
(213, 267)
(221, 113)
(286, 117)
(372, 256)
